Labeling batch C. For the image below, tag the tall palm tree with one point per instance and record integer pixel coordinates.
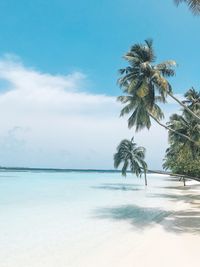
(131, 156)
(147, 80)
(194, 5)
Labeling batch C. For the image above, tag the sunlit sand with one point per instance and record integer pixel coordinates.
(87, 220)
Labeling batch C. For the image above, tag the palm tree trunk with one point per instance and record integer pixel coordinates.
(145, 177)
(184, 106)
(172, 130)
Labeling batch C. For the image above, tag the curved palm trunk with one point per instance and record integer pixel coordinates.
(184, 106)
(172, 130)
(145, 177)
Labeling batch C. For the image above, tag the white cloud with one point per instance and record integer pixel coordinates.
(51, 121)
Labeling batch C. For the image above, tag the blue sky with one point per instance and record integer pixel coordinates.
(59, 36)
(58, 72)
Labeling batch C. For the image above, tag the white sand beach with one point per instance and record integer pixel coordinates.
(116, 222)
(173, 241)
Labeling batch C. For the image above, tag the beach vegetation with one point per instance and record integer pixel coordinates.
(132, 158)
(145, 87)
(183, 156)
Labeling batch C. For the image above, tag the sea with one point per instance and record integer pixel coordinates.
(51, 218)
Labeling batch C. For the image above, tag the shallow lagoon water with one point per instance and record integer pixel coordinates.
(53, 218)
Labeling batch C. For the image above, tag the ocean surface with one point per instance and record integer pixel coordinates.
(57, 219)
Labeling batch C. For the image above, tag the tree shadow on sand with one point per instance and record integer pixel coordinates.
(186, 197)
(139, 217)
(118, 187)
(182, 221)
(185, 220)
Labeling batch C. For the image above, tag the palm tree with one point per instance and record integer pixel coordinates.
(131, 156)
(187, 126)
(194, 5)
(183, 156)
(193, 100)
(142, 112)
(141, 108)
(145, 78)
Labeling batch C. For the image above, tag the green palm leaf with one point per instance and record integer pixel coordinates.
(130, 155)
(194, 5)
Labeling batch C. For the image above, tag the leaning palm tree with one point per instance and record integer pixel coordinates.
(194, 5)
(144, 79)
(131, 156)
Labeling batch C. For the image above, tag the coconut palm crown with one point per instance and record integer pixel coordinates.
(194, 5)
(145, 82)
(132, 158)
(183, 155)
(186, 124)
(192, 100)
(144, 85)
(143, 76)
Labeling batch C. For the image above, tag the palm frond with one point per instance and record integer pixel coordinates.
(194, 5)
(131, 156)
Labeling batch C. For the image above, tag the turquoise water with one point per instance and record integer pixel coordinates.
(51, 217)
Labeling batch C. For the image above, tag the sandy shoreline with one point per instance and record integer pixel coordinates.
(174, 241)
(98, 221)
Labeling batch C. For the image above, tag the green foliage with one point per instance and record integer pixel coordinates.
(144, 84)
(181, 160)
(183, 156)
(132, 157)
(194, 5)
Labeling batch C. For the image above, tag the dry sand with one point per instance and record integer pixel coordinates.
(174, 241)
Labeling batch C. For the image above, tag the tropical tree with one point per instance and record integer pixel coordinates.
(183, 156)
(192, 100)
(194, 5)
(132, 157)
(147, 80)
(186, 125)
(180, 160)
(145, 85)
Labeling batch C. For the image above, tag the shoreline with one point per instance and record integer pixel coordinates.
(106, 221)
(63, 170)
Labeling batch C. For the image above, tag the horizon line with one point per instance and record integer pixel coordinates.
(68, 169)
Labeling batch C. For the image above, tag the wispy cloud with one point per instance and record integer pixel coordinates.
(67, 126)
